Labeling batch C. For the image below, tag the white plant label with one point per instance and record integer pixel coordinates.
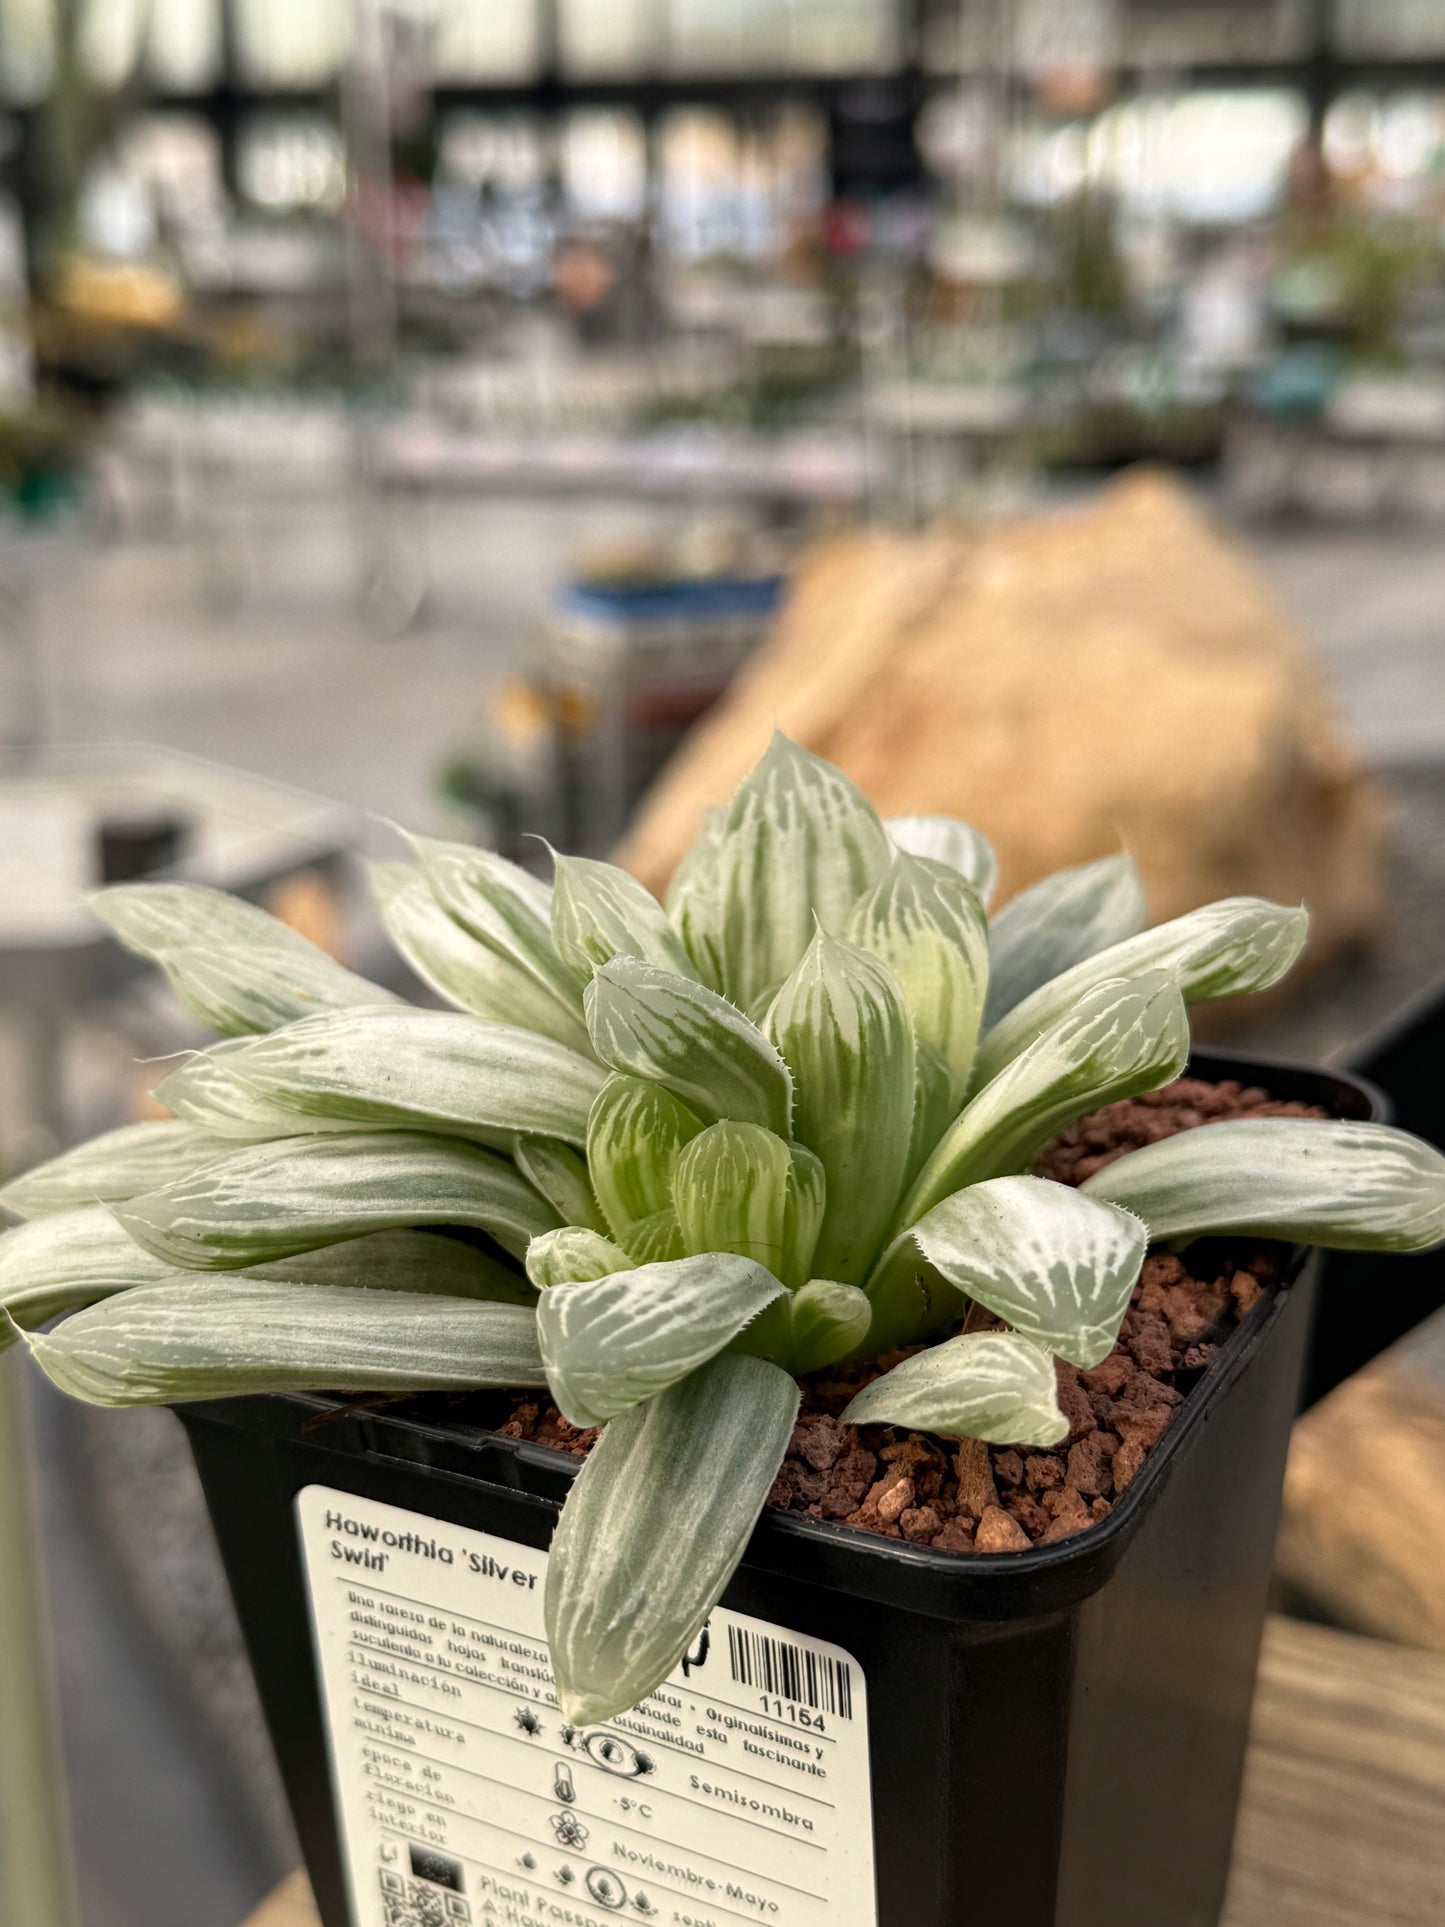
(737, 1793)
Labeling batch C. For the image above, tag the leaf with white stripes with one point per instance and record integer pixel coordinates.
(232, 966)
(842, 1024)
(72, 1258)
(1350, 1186)
(508, 912)
(800, 845)
(426, 1070)
(634, 1134)
(271, 1200)
(206, 1091)
(459, 968)
(995, 1386)
(654, 1527)
(600, 912)
(1227, 949)
(927, 923)
(827, 1321)
(610, 1342)
(115, 1165)
(1056, 1266)
(572, 1255)
(741, 1189)
(945, 839)
(560, 1174)
(652, 1023)
(693, 899)
(1057, 923)
(1118, 1039)
(196, 1338)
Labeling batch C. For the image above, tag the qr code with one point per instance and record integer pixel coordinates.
(413, 1903)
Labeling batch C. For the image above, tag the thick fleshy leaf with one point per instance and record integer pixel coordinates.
(1350, 1186)
(600, 912)
(117, 1164)
(656, 1240)
(206, 1091)
(573, 1255)
(800, 845)
(212, 1338)
(927, 923)
(655, 1526)
(693, 898)
(741, 1189)
(1227, 949)
(828, 1320)
(235, 968)
(634, 1134)
(652, 1023)
(608, 1343)
(944, 839)
(1057, 923)
(842, 1025)
(1055, 1265)
(560, 1174)
(505, 910)
(73, 1258)
(1117, 1040)
(459, 968)
(271, 1200)
(934, 1108)
(427, 1070)
(995, 1386)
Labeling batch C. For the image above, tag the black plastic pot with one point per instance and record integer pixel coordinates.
(1367, 1302)
(1056, 1736)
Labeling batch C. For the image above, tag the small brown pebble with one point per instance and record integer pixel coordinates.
(1027, 1510)
(1043, 1471)
(1127, 1461)
(1090, 1468)
(920, 1523)
(976, 1488)
(997, 1532)
(1074, 1402)
(1008, 1468)
(953, 1536)
(1110, 1377)
(817, 1440)
(894, 1501)
(1070, 1515)
(1246, 1292)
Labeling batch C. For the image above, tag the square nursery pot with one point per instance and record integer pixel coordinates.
(1053, 1738)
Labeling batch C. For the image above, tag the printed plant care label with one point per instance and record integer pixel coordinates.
(738, 1792)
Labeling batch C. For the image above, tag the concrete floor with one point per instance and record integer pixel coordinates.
(290, 683)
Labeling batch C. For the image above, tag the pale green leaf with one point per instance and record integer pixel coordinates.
(634, 1134)
(741, 1189)
(610, 1342)
(457, 967)
(1227, 949)
(560, 1174)
(843, 1027)
(926, 923)
(572, 1255)
(430, 1070)
(655, 1526)
(995, 1386)
(1117, 1040)
(600, 912)
(944, 839)
(934, 1108)
(232, 966)
(271, 1200)
(1055, 1265)
(1057, 923)
(197, 1338)
(693, 901)
(828, 1320)
(73, 1258)
(655, 1240)
(1351, 1186)
(800, 845)
(509, 913)
(207, 1092)
(654, 1024)
(115, 1165)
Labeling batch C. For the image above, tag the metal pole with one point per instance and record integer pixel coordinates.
(37, 1876)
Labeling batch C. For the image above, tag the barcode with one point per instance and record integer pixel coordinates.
(791, 1672)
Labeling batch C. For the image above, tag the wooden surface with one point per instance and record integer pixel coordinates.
(1344, 1806)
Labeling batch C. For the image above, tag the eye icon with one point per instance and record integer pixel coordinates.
(614, 1755)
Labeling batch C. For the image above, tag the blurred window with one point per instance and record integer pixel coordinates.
(486, 40)
(1390, 28)
(292, 161)
(1213, 155)
(604, 164)
(611, 37)
(183, 45)
(291, 43)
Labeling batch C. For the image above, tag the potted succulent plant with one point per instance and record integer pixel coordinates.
(663, 1166)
